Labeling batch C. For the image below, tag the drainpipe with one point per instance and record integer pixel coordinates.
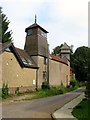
(36, 79)
(48, 72)
(48, 66)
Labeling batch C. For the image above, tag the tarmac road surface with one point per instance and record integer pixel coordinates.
(39, 108)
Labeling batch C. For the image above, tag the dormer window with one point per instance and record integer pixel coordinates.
(7, 49)
(29, 32)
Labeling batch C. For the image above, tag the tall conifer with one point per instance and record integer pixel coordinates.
(5, 34)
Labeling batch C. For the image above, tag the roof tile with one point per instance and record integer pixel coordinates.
(56, 58)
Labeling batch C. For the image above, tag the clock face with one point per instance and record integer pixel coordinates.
(29, 32)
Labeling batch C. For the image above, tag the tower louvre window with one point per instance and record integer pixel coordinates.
(29, 32)
(43, 34)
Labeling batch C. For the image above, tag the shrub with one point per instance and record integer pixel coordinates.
(59, 91)
(17, 90)
(74, 83)
(5, 91)
(82, 83)
(29, 91)
(0, 93)
(61, 83)
(45, 85)
(87, 91)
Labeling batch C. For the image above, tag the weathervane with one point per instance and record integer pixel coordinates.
(35, 19)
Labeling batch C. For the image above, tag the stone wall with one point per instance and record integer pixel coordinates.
(58, 73)
(14, 75)
(41, 70)
(28, 78)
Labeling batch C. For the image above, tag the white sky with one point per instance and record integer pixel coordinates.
(65, 20)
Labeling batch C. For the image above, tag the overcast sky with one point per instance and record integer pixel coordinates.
(65, 20)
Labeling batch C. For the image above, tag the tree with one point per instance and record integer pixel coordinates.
(56, 50)
(87, 92)
(79, 63)
(5, 34)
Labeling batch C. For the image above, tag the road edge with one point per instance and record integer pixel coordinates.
(70, 105)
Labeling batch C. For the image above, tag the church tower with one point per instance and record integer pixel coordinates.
(36, 46)
(36, 40)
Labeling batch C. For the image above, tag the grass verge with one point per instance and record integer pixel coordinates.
(39, 94)
(81, 111)
(49, 92)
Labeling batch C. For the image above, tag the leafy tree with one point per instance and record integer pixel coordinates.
(5, 35)
(56, 50)
(79, 63)
(88, 81)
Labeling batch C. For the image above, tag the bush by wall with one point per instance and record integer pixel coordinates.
(74, 83)
(5, 91)
(45, 85)
(17, 90)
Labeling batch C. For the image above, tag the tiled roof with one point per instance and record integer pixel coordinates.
(56, 58)
(22, 57)
(65, 59)
(35, 25)
(26, 59)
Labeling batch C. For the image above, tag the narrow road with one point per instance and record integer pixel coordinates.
(39, 108)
